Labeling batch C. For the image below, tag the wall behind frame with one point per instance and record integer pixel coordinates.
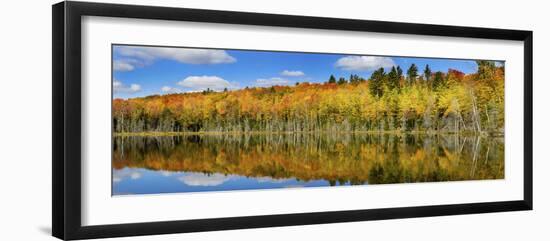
(25, 123)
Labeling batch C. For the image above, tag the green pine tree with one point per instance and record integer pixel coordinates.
(412, 74)
(332, 80)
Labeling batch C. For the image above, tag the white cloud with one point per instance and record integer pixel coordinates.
(120, 65)
(204, 82)
(199, 179)
(126, 174)
(166, 173)
(272, 180)
(119, 87)
(272, 81)
(135, 175)
(169, 89)
(141, 56)
(364, 63)
(135, 87)
(292, 73)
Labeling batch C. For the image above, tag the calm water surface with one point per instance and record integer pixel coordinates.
(148, 165)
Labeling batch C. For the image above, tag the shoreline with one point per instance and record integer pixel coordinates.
(214, 133)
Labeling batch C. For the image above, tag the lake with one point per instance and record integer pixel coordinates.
(221, 162)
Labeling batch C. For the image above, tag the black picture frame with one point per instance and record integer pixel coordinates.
(66, 127)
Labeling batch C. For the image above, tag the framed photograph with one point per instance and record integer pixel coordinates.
(169, 120)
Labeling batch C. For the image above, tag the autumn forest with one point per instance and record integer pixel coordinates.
(397, 99)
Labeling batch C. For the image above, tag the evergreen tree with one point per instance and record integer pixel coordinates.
(412, 74)
(485, 69)
(376, 82)
(332, 80)
(427, 74)
(393, 79)
(342, 81)
(399, 72)
(439, 80)
(354, 79)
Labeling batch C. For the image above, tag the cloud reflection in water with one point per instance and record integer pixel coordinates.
(200, 179)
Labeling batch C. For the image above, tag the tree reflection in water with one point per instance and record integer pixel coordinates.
(338, 158)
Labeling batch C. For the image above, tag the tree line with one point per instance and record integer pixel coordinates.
(387, 101)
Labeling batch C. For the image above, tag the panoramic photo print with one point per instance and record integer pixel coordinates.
(195, 120)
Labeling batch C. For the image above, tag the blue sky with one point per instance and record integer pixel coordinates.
(141, 71)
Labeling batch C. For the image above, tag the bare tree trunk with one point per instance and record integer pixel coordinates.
(474, 159)
(475, 114)
(121, 129)
(489, 121)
